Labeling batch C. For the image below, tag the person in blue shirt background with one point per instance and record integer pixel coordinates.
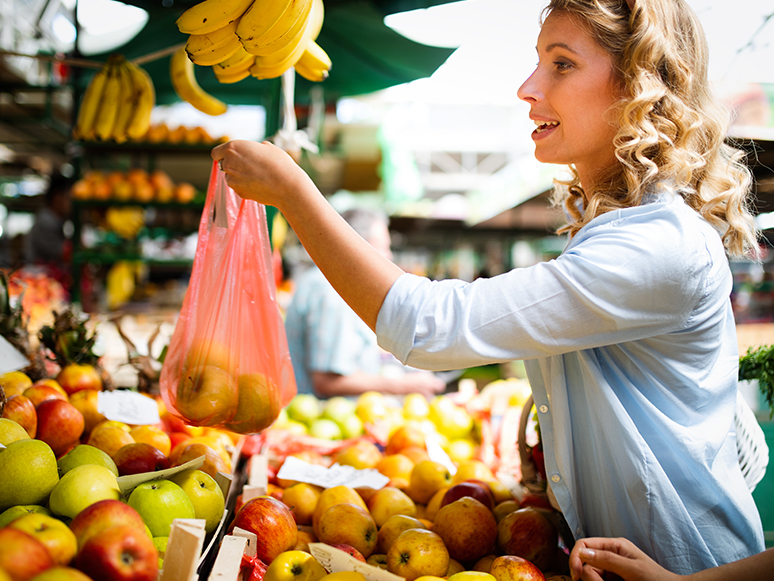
(333, 351)
(628, 337)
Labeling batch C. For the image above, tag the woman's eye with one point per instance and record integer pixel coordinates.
(562, 65)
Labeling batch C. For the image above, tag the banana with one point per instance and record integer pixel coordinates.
(87, 113)
(264, 15)
(229, 47)
(232, 77)
(145, 99)
(127, 102)
(290, 36)
(108, 107)
(314, 63)
(186, 86)
(317, 16)
(241, 60)
(199, 43)
(273, 65)
(210, 15)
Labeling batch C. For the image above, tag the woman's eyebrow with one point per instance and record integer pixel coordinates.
(554, 45)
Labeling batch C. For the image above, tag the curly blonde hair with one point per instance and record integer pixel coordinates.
(672, 129)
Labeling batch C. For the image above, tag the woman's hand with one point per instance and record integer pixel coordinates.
(262, 172)
(591, 557)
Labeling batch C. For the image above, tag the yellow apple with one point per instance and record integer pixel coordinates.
(460, 450)
(395, 466)
(505, 508)
(378, 560)
(304, 538)
(427, 478)
(344, 576)
(415, 406)
(434, 504)
(154, 436)
(389, 501)
(473, 470)
(14, 382)
(500, 492)
(371, 406)
(205, 495)
(471, 576)
(55, 535)
(418, 552)
(86, 402)
(81, 487)
(294, 566)
(430, 578)
(349, 524)
(392, 529)
(258, 405)
(207, 396)
(454, 567)
(513, 568)
(361, 455)
(335, 495)
(109, 438)
(301, 498)
(10, 431)
(484, 563)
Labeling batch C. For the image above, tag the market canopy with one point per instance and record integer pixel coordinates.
(367, 55)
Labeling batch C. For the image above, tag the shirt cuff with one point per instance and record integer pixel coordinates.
(396, 321)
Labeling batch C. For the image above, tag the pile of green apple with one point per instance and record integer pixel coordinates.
(70, 513)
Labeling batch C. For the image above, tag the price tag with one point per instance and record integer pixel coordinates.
(296, 469)
(335, 560)
(129, 407)
(10, 358)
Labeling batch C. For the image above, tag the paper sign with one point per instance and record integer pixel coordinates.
(438, 454)
(129, 482)
(335, 560)
(296, 469)
(129, 407)
(186, 539)
(10, 358)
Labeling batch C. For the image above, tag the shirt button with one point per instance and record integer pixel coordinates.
(555, 478)
(544, 409)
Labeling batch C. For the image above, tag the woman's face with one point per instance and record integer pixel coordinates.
(571, 95)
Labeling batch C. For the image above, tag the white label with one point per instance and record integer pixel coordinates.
(296, 469)
(129, 407)
(335, 560)
(10, 358)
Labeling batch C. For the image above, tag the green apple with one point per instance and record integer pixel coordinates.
(82, 486)
(15, 512)
(159, 502)
(338, 408)
(85, 454)
(10, 431)
(325, 429)
(161, 547)
(351, 426)
(304, 408)
(204, 493)
(29, 473)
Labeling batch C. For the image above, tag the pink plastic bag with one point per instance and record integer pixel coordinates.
(228, 363)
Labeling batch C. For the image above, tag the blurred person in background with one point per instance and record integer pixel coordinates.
(46, 242)
(333, 351)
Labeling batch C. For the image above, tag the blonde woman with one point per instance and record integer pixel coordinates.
(628, 337)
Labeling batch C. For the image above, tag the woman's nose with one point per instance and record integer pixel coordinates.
(528, 90)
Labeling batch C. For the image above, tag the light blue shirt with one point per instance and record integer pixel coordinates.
(324, 333)
(632, 356)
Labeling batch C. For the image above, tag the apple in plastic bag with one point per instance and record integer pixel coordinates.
(258, 404)
(207, 396)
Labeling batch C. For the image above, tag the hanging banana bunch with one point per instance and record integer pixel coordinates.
(117, 103)
(126, 221)
(262, 38)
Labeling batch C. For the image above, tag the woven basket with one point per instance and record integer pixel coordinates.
(750, 443)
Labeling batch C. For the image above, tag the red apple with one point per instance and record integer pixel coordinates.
(471, 489)
(102, 515)
(176, 438)
(21, 410)
(272, 521)
(22, 556)
(512, 568)
(536, 500)
(529, 534)
(350, 550)
(119, 553)
(41, 392)
(60, 425)
(468, 529)
(138, 458)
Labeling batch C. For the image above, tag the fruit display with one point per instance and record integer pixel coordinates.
(238, 38)
(134, 185)
(117, 103)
